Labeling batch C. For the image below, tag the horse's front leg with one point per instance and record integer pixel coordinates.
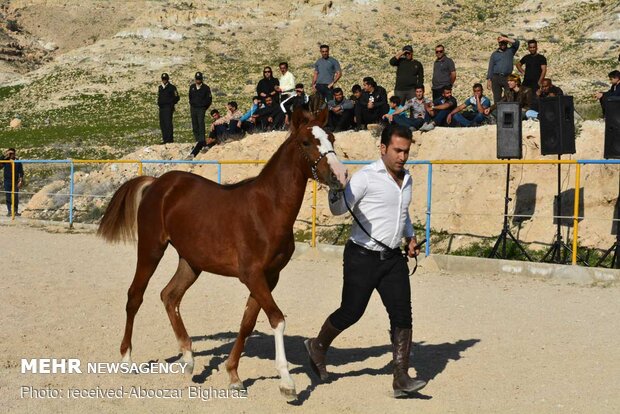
(247, 326)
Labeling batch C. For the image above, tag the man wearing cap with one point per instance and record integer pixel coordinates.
(500, 66)
(199, 101)
(167, 97)
(444, 72)
(409, 74)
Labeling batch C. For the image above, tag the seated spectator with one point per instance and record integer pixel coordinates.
(372, 105)
(244, 121)
(356, 93)
(219, 129)
(547, 88)
(419, 112)
(473, 117)
(442, 107)
(299, 98)
(394, 104)
(517, 93)
(267, 86)
(226, 125)
(269, 117)
(340, 112)
(614, 90)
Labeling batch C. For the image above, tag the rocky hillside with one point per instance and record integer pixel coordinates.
(82, 73)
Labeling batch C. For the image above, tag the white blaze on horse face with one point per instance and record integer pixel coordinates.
(339, 170)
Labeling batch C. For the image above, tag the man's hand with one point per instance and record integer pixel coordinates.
(449, 119)
(270, 119)
(371, 105)
(489, 84)
(487, 111)
(19, 184)
(389, 117)
(330, 85)
(598, 95)
(413, 249)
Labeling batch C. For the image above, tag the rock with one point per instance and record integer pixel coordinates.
(15, 123)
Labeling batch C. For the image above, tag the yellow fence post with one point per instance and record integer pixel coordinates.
(313, 241)
(576, 213)
(139, 167)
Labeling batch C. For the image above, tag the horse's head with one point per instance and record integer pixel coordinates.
(317, 148)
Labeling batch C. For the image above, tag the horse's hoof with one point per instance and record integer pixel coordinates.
(237, 386)
(127, 357)
(289, 393)
(189, 369)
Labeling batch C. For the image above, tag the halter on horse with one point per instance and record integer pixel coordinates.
(247, 234)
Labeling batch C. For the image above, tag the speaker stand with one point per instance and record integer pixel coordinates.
(615, 248)
(503, 237)
(559, 251)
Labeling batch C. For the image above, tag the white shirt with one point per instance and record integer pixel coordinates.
(381, 206)
(287, 82)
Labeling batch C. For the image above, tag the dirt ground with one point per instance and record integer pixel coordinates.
(485, 343)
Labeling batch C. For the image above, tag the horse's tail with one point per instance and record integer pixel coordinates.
(120, 221)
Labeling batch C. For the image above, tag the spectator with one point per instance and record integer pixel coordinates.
(409, 74)
(199, 101)
(614, 90)
(518, 93)
(356, 93)
(268, 86)
(269, 117)
(372, 105)
(419, 107)
(442, 107)
(340, 112)
(547, 89)
(535, 66)
(8, 180)
(217, 129)
(287, 82)
(326, 73)
(500, 66)
(394, 104)
(298, 99)
(475, 117)
(226, 125)
(167, 98)
(444, 72)
(244, 121)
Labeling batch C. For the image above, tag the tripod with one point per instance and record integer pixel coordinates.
(502, 239)
(559, 251)
(615, 248)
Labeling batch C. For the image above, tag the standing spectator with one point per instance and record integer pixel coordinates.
(535, 66)
(419, 107)
(444, 72)
(614, 90)
(478, 103)
(199, 101)
(167, 97)
(326, 73)
(340, 112)
(8, 181)
(500, 66)
(286, 86)
(268, 86)
(409, 74)
(372, 105)
(442, 107)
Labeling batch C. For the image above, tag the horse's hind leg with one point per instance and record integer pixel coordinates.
(247, 326)
(171, 295)
(149, 255)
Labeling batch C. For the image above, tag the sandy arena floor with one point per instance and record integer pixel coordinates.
(486, 344)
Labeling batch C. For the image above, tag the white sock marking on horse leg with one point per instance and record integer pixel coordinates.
(127, 356)
(286, 381)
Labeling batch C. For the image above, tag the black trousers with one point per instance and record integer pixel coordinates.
(198, 122)
(364, 272)
(7, 192)
(165, 123)
(364, 116)
(499, 85)
(342, 121)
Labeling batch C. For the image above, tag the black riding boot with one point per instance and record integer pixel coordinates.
(403, 384)
(317, 347)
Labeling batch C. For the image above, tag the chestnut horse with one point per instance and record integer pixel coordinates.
(247, 233)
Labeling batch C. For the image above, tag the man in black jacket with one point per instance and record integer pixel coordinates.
(372, 105)
(409, 74)
(269, 117)
(199, 101)
(167, 97)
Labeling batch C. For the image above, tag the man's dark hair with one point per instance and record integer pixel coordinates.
(368, 79)
(614, 74)
(283, 63)
(532, 42)
(214, 111)
(299, 86)
(256, 97)
(337, 90)
(446, 88)
(395, 131)
(233, 104)
(395, 100)
(12, 150)
(477, 85)
(356, 88)
(441, 46)
(419, 87)
(324, 47)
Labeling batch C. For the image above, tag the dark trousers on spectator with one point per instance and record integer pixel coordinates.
(411, 122)
(441, 116)
(7, 192)
(340, 122)
(405, 95)
(276, 123)
(198, 122)
(165, 123)
(499, 85)
(363, 273)
(325, 91)
(467, 119)
(365, 116)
